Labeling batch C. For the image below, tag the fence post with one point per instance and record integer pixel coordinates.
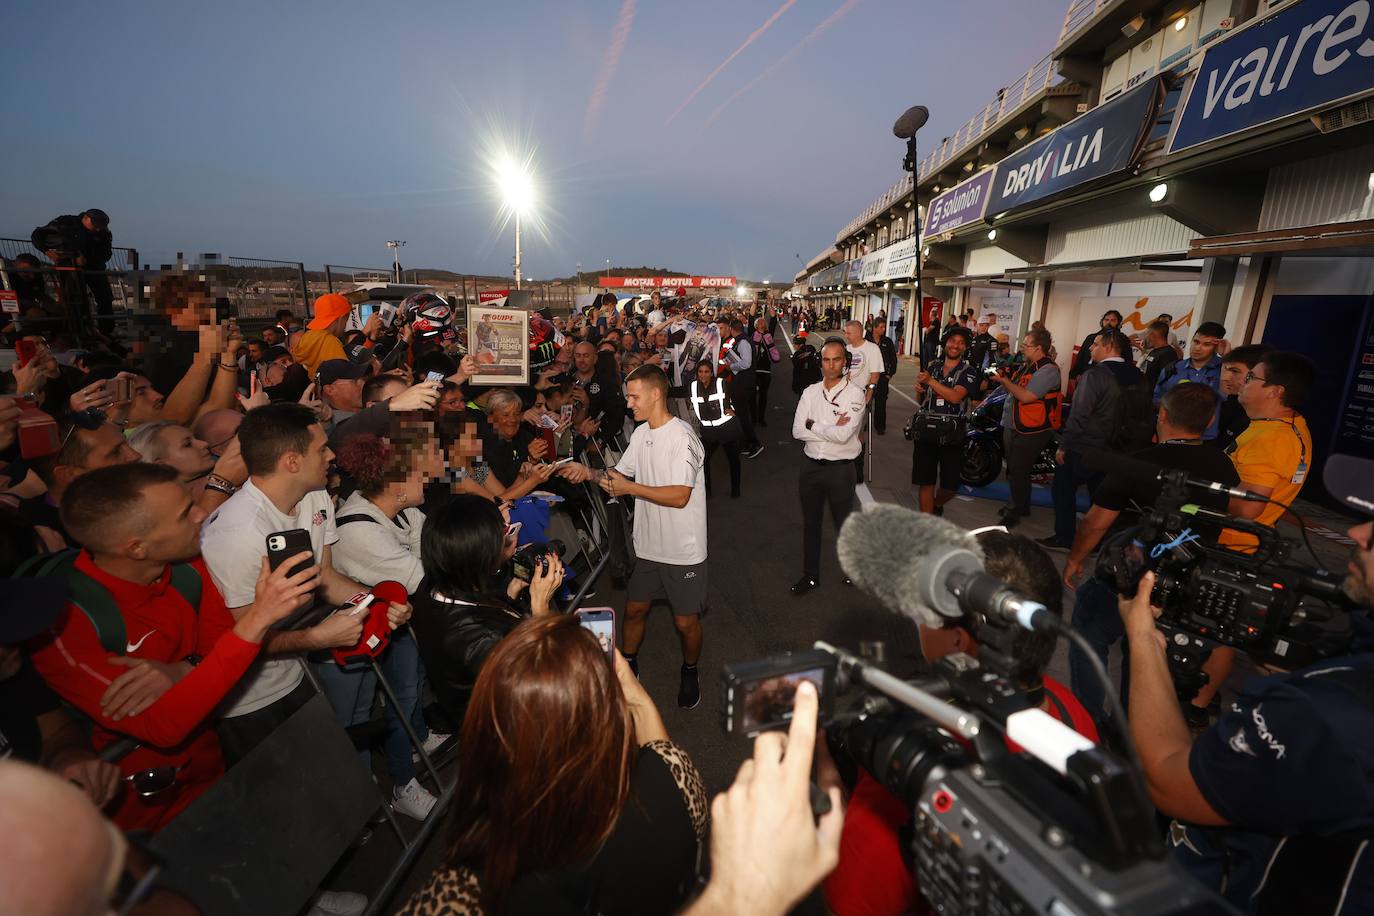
(305, 286)
(328, 280)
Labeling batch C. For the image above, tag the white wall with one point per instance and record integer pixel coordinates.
(1324, 277)
(1061, 315)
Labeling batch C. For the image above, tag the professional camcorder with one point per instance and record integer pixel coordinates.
(1260, 601)
(1065, 827)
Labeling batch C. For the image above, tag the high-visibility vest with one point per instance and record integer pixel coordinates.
(1039, 415)
(709, 408)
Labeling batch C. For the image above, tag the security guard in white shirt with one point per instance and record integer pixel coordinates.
(828, 419)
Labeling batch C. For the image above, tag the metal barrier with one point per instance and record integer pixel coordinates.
(370, 275)
(262, 286)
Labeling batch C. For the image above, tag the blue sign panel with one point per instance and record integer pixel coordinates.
(1310, 55)
(1099, 143)
(960, 205)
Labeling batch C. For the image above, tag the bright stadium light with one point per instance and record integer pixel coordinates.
(741, 292)
(1159, 192)
(516, 185)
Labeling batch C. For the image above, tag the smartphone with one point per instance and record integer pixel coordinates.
(992, 370)
(434, 376)
(566, 412)
(25, 350)
(387, 313)
(282, 545)
(562, 461)
(759, 695)
(120, 389)
(564, 443)
(253, 383)
(600, 622)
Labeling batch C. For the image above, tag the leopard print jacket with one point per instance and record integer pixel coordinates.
(457, 892)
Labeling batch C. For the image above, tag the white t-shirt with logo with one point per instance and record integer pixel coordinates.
(233, 542)
(670, 456)
(866, 358)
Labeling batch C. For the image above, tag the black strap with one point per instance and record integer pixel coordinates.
(357, 517)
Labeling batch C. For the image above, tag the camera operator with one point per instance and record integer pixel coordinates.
(874, 874)
(1030, 417)
(1285, 772)
(1184, 415)
(937, 448)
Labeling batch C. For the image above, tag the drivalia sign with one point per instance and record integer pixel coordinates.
(1309, 55)
(1102, 142)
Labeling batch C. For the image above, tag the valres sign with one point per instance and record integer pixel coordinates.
(668, 282)
(1103, 141)
(1310, 55)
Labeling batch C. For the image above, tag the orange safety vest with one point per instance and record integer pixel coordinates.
(1036, 416)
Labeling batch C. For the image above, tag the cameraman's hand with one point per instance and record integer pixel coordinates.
(1138, 615)
(767, 851)
(544, 583)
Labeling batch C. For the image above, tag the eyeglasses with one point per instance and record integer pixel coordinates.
(1252, 377)
(89, 419)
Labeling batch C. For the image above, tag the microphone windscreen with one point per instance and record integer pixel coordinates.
(912, 120)
(390, 592)
(884, 547)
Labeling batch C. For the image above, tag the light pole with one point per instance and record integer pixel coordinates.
(517, 190)
(395, 246)
(911, 121)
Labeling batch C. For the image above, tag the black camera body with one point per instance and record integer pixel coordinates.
(1211, 596)
(526, 559)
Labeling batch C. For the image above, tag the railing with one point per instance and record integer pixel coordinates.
(1032, 83)
(1079, 12)
(121, 259)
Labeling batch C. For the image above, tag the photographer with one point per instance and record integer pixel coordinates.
(1184, 415)
(1285, 771)
(937, 449)
(466, 604)
(1030, 418)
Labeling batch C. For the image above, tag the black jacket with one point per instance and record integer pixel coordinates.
(889, 351)
(455, 640)
(1093, 413)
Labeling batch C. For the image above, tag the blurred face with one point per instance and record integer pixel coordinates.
(175, 534)
(704, 375)
(661, 340)
(1233, 377)
(1203, 347)
(641, 398)
(451, 401)
(184, 453)
(1111, 320)
(506, 422)
(1030, 350)
(272, 337)
(584, 358)
(955, 347)
(199, 310)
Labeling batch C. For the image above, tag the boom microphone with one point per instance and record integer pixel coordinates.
(929, 569)
(912, 120)
(1108, 462)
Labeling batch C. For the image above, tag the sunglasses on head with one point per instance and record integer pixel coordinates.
(89, 419)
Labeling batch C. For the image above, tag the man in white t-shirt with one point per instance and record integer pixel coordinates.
(662, 470)
(865, 368)
(287, 456)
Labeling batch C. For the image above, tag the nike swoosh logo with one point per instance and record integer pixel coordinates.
(133, 646)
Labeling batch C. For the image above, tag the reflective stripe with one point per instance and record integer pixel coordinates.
(718, 396)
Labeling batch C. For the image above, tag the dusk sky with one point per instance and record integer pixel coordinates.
(317, 131)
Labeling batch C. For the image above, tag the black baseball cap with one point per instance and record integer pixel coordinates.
(1350, 481)
(31, 607)
(332, 370)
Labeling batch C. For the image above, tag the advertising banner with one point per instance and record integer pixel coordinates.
(901, 260)
(853, 269)
(668, 282)
(1005, 313)
(962, 204)
(498, 338)
(1137, 314)
(1102, 142)
(491, 295)
(1310, 55)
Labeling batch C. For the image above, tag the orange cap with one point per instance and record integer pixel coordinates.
(328, 309)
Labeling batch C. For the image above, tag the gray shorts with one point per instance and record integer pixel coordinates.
(684, 587)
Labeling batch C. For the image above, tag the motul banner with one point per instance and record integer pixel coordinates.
(668, 282)
(490, 295)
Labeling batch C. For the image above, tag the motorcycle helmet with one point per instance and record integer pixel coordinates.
(544, 341)
(427, 314)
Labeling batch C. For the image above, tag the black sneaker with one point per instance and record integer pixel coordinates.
(754, 452)
(689, 691)
(804, 585)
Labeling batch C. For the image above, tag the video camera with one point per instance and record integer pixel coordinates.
(1068, 829)
(1260, 602)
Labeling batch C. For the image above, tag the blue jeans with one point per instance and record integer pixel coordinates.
(351, 694)
(1095, 615)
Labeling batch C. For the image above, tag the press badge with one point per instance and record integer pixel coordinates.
(1301, 473)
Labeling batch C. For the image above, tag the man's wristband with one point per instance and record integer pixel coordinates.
(221, 485)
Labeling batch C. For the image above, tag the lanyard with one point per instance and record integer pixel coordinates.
(835, 401)
(1301, 472)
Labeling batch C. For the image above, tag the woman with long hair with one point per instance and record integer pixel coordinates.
(469, 602)
(574, 799)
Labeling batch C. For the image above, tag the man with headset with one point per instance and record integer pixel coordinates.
(828, 419)
(1273, 805)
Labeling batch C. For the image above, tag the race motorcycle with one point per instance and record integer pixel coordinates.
(984, 454)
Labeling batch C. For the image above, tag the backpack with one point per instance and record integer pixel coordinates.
(1135, 418)
(96, 602)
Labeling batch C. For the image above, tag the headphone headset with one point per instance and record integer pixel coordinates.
(848, 356)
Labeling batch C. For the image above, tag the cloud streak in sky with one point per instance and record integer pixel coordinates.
(814, 34)
(753, 36)
(610, 62)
